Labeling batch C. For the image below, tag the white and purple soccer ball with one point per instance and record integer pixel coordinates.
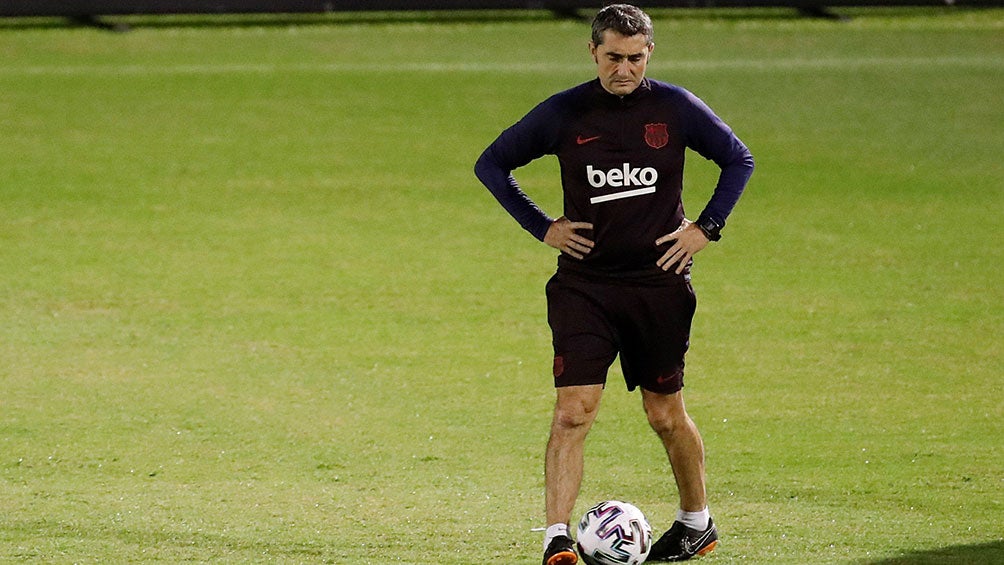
(614, 533)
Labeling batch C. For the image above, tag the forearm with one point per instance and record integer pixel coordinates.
(500, 182)
(732, 182)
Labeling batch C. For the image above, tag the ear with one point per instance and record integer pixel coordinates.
(592, 51)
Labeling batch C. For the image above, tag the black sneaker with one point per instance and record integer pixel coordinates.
(681, 543)
(561, 551)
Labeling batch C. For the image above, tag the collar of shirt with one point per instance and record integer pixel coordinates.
(613, 100)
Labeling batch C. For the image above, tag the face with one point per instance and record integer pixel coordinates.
(621, 61)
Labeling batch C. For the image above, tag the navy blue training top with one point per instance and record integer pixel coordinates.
(621, 162)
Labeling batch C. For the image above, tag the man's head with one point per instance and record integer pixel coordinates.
(621, 46)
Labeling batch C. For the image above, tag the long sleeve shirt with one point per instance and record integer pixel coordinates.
(621, 162)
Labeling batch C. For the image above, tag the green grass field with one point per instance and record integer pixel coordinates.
(255, 307)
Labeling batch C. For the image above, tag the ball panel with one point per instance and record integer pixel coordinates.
(614, 533)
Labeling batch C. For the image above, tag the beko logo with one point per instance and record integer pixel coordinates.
(624, 177)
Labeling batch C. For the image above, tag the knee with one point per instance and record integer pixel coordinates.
(572, 416)
(665, 422)
(662, 424)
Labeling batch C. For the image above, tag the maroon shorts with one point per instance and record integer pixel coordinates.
(592, 322)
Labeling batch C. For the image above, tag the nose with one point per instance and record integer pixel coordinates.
(623, 68)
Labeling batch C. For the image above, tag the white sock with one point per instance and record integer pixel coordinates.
(694, 520)
(553, 531)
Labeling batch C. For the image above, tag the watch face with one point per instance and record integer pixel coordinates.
(711, 229)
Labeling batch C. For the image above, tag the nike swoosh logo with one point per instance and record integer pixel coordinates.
(584, 140)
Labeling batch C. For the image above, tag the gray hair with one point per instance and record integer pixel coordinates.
(624, 19)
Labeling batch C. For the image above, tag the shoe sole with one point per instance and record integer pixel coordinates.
(563, 558)
(708, 549)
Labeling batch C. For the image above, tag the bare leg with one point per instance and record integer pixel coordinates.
(574, 413)
(668, 417)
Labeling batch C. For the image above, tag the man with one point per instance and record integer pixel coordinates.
(622, 285)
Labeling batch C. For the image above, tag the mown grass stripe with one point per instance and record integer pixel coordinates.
(797, 64)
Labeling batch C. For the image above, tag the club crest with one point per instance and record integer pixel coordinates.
(656, 135)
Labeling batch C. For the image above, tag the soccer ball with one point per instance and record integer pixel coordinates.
(614, 533)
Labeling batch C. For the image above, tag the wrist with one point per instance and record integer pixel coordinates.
(710, 227)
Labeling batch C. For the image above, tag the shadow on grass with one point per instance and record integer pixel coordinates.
(991, 553)
(42, 540)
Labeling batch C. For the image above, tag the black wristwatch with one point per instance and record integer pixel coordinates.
(711, 228)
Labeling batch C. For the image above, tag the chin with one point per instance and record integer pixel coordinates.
(622, 89)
